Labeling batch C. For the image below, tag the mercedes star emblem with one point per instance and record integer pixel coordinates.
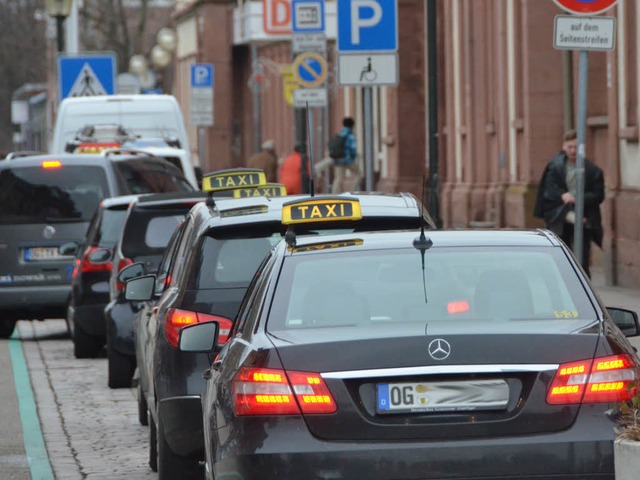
(48, 232)
(439, 349)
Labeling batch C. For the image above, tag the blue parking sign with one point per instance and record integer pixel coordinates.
(202, 75)
(367, 25)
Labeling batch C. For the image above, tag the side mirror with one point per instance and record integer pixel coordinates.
(140, 289)
(68, 249)
(626, 321)
(201, 337)
(100, 256)
(131, 271)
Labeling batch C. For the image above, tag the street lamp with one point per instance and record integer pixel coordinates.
(60, 10)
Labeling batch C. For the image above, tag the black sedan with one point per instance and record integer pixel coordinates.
(405, 355)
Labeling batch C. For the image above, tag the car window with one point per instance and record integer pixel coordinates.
(36, 194)
(110, 227)
(164, 279)
(151, 177)
(232, 261)
(252, 302)
(460, 290)
(148, 231)
(183, 250)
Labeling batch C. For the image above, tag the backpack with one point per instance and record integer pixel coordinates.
(336, 146)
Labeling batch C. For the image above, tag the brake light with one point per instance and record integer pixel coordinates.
(124, 262)
(176, 319)
(87, 266)
(601, 380)
(262, 391)
(458, 306)
(51, 164)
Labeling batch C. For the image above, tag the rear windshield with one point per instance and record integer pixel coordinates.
(148, 231)
(231, 262)
(110, 227)
(144, 176)
(462, 290)
(53, 195)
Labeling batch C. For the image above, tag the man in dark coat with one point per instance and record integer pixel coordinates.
(556, 198)
(267, 160)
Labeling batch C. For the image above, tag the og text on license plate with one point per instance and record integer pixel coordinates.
(442, 396)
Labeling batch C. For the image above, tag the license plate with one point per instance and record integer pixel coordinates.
(35, 254)
(442, 396)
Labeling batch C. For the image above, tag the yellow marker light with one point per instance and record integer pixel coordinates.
(233, 178)
(267, 377)
(51, 164)
(321, 209)
(572, 370)
(610, 365)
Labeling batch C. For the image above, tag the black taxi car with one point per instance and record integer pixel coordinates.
(203, 277)
(409, 354)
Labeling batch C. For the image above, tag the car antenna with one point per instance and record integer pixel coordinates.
(422, 243)
(312, 185)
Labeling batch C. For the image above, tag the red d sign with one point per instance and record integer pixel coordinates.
(585, 7)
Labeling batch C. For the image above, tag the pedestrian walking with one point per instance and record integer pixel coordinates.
(266, 160)
(343, 151)
(556, 198)
(291, 170)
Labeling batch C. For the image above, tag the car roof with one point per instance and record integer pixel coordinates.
(119, 200)
(440, 239)
(168, 198)
(373, 204)
(74, 159)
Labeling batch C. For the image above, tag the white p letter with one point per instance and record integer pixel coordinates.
(357, 22)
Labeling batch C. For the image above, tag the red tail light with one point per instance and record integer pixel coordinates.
(601, 380)
(177, 319)
(124, 262)
(458, 306)
(88, 266)
(262, 391)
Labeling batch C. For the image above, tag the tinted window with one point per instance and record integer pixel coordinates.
(227, 263)
(147, 231)
(145, 176)
(461, 290)
(110, 227)
(36, 194)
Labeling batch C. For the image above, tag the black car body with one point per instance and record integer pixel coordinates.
(454, 355)
(149, 224)
(91, 275)
(47, 201)
(203, 277)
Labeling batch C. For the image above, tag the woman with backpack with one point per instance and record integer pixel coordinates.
(343, 151)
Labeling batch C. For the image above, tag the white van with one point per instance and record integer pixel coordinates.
(146, 116)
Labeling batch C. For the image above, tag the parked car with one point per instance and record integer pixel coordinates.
(91, 274)
(203, 277)
(466, 354)
(148, 226)
(47, 201)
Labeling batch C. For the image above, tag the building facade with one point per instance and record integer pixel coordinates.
(505, 98)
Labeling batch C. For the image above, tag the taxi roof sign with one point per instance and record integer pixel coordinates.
(267, 190)
(321, 209)
(95, 147)
(233, 178)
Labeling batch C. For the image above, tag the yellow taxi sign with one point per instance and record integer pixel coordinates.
(267, 190)
(321, 209)
(233, 178)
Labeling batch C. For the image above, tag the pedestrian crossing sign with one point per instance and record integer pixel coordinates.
(85, 75)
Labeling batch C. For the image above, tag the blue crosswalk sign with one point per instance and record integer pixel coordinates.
(86, 75)
(367, 25)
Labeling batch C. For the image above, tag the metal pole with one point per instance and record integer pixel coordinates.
(583, 70)
(567, 89)
(257, 107)
(368, 138)
(60, 32)
(434, 204)
(202, 150)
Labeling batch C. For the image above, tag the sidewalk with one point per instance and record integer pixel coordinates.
(615, 296)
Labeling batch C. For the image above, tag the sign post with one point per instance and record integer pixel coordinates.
(201, 110)
(587, 33)
(367, 57)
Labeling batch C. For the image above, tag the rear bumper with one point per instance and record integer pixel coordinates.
(181, 419)
(35, 302)
(288, 451)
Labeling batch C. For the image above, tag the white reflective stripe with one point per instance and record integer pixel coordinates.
(612, 376)
(434, 370)
(577, 379)
(251, 388)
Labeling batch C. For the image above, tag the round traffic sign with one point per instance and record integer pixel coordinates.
(585, 7)
(310, 69)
